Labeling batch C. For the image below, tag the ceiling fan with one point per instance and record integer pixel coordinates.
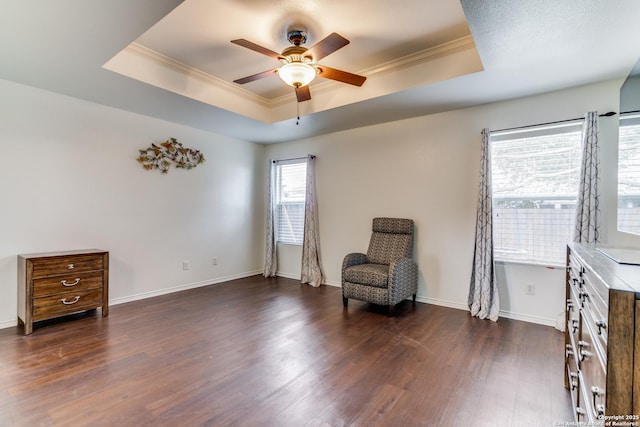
(299, 64)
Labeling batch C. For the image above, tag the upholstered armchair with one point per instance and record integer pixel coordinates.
(387, 273)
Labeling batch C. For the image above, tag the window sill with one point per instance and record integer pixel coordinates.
(550, 266)
(289, 244)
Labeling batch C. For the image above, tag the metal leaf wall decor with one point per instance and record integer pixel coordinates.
(171, 151)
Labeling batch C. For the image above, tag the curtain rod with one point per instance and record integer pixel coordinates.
(609, 114)
(313, 156)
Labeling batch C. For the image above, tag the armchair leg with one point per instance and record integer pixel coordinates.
(345, 302)
(414, 299)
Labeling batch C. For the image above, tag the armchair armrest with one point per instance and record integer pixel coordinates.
(351, 260)
(403, 279)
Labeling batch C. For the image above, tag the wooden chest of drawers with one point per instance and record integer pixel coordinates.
(55, 284)
(602, 336)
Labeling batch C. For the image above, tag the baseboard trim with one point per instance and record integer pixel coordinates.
(502, 313)
(528, 318)
(463, 306)
(183, 287)
(12, 323)
(8, 323)
(288, 275)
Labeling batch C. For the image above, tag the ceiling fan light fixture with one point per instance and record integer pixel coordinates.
(297, 74)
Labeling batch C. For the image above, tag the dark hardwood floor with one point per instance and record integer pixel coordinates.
(272, 352)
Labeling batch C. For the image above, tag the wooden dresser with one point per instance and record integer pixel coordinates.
(55, 284)
(602, 337)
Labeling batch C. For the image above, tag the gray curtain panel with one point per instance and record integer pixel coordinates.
(483, 292)
(587, 227)
(270, 258)
(311, 271)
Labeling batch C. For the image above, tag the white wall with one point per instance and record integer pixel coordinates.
(427, 169)
(69, 180)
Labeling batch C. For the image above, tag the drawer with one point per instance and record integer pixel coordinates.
(593, 369)
(597, 331)
(576, 269)
(572, 377)
(584, 414)
(574, 262)
(573, 314)
(43, 267)
(575, 266)
(597, 293)
(597, 306)
(68, 283)
(67, 303)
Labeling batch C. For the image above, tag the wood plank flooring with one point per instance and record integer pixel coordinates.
(272, 352)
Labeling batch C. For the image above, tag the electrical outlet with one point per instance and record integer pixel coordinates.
(185, 265)
(214, 261)
(531, 289)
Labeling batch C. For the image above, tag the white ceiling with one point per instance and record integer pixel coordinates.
(189, 51)
(174, 60)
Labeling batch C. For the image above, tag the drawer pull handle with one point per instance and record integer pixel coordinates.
(596, 392)
(574, 325)
(600, 410)
(583, 353)
(569, 305)
(68, 285)
(601, 324)
(568, 351)
(70, 267)
(574, 380)
(75, 300)
(583, 295)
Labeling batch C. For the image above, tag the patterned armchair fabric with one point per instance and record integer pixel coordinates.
(387, 273)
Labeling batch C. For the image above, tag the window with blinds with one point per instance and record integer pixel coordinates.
(629, 173)
(290, 183)
(535, 174)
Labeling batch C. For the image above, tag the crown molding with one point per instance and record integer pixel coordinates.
(145, 64)
(430, 54)
(157, 57)
(417, 58)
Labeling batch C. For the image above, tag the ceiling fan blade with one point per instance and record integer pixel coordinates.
(303, 93)
(326, 46)
(255, 77)
(341, 76)
(257, 48)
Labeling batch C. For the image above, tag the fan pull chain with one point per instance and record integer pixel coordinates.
(298, 111)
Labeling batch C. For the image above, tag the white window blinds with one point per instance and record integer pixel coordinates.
(535, 175)
(290, 196)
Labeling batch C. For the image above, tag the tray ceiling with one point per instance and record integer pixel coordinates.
(189, 51)
(175, 62)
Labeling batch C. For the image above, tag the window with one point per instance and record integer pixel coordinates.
(290, 185)
(535, 174)
(629, 173)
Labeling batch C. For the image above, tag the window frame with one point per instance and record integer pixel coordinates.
(548, 255)
(297, 226)
(624, 196)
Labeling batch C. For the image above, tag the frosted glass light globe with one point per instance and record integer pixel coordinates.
(297, 74)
